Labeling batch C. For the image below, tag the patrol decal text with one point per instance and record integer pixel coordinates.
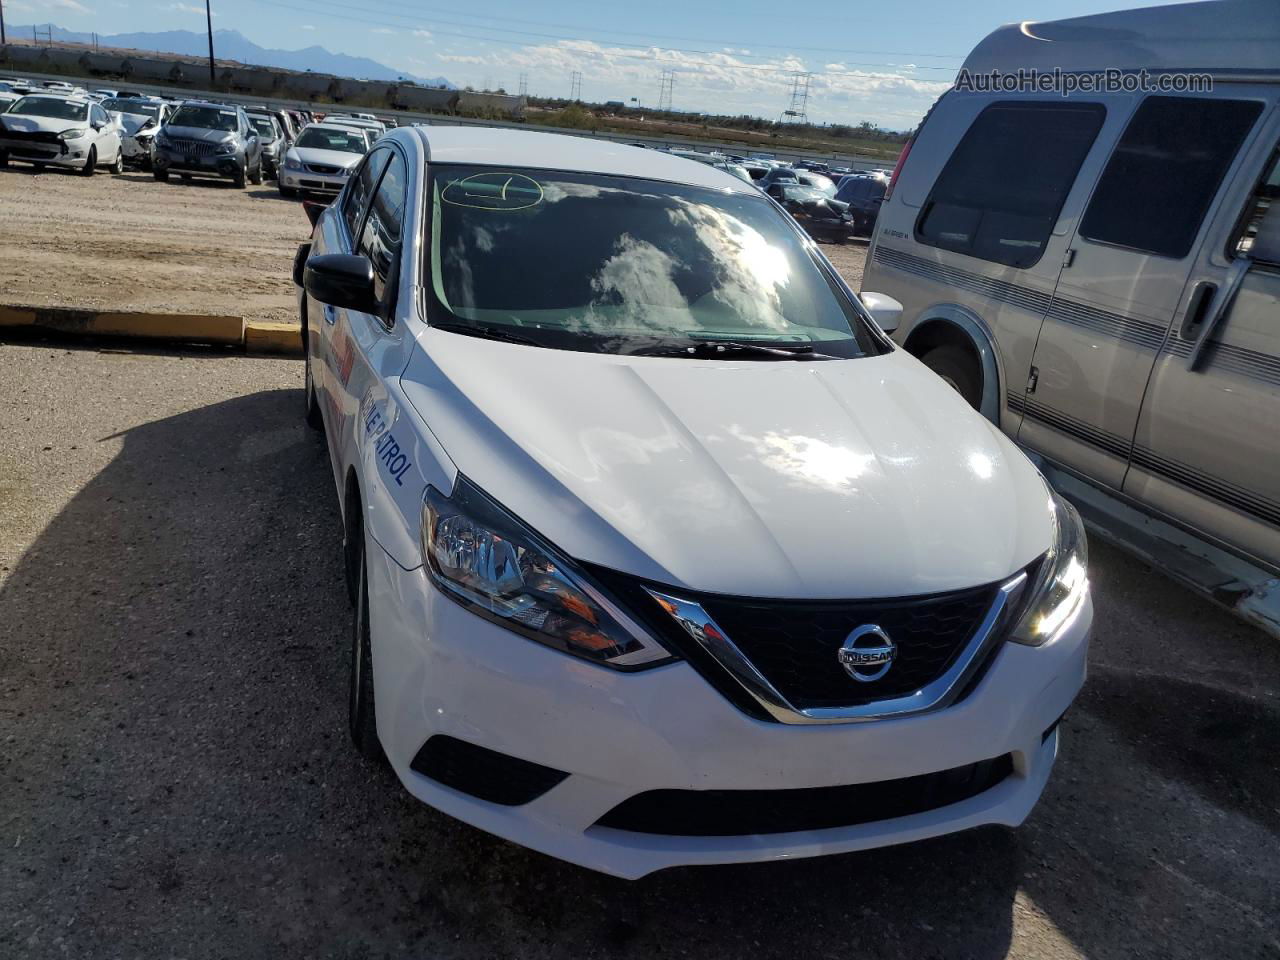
(392, 457)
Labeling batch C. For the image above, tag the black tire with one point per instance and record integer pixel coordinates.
(161, 175)
(361, 714)
(117, 168)
(288, 193)
(255, 176)
(39, 167)
(90, 162)
(4, 158)
(239, 180)
(959, 368)
(314, 419)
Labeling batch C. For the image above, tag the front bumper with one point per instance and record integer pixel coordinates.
(53, 152)
(441, 670)
(227, 166)
(311, 182)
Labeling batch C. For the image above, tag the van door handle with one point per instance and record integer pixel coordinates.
(1221, 304)
(1197, 306)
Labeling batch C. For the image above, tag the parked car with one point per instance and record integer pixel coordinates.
(375, 128)
(821, 216)
(321, 159)
(273, 143)
(1098, 274)
(778, 174)
(282, 119)
(661, 553)
(7, 99)
(202, 139)
(140, 121)
(864, 195)
(51, 130)
(106, 93)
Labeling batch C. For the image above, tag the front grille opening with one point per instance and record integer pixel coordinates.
(733, 813)
(794, 644)
(484, 773)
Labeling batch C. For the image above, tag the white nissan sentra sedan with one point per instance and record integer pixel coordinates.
(661, 552)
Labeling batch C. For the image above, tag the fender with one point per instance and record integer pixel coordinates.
(979, 335)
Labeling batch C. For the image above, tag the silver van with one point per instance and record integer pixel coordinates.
(1093, 261)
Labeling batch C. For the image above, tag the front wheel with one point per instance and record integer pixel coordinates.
(310, 401)
(959, 370)
(91, 162)
(288, 193)
(4, 158)
(256, 175)
(117, 168)
(161, 175)
(239, 180)
(361, 719)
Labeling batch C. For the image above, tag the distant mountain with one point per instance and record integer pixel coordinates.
(233, 45)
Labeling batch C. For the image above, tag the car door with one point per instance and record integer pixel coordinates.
(335, 346)
(108, 138)
(1205, 452)
(1124, 272)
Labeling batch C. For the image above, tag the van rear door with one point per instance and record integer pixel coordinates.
(1205, 451)
(1127, 264)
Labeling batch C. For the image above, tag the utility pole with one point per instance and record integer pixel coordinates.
(208, 18)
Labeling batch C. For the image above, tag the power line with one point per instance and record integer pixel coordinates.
(650, 58)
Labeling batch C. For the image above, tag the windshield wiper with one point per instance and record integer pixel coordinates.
(703, 349)
(486, 333)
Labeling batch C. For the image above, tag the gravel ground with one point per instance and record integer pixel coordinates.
(131, 243)
(177, 780)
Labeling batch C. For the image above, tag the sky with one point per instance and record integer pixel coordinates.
(883, 61)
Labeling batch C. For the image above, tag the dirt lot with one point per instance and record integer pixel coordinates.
(131, 243)
(177, 780)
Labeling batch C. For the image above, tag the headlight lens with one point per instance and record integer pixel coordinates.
(1062, 580)
(75, 134)
(161, 140)
(227, 147)
(487, 560)
(291, 162)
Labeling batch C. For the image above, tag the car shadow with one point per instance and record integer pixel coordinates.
(178, 769)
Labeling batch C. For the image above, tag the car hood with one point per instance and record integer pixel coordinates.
(198, 133)
(333, 158)
(131, 123)
(820, 479)
(30, 124)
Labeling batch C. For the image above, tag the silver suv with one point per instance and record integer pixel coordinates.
(209, 140)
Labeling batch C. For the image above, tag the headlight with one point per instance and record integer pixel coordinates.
(487, 560)
(226, 148)
(161, 140)
(1062, 580)
(75, 134)
(292, 163)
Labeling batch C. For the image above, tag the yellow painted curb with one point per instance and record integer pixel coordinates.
(265, 336)
(185, 327)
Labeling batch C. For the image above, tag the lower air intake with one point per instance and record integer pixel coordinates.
(484, 773)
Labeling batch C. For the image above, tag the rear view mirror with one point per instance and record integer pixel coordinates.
(341, 280)
(313, 209)
(884, 310)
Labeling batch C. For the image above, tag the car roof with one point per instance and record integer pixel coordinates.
(326, 125)
(210, 103)
(494, 147)
(1221, 36)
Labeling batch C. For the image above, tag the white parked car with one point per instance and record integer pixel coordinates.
(661, 551)
(321, 159)
(46, 129)
(140, 120)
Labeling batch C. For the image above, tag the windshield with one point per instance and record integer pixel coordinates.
(264, 127)
(207, 118)
(50, 107)
(820, 183)
(348, 141)
(791, 192)
(616, 265)
(140, 108)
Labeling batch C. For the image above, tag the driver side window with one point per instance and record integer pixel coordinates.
(359, 189)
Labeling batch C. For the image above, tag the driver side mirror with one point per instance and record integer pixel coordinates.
(884, 310)
(341, 280)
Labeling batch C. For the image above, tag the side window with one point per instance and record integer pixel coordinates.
(1000, 194)
(380, 238)
(1165, 172)
(1259, 233)
(99, 115)
(361, 186)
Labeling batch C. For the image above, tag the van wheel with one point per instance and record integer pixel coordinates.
(959, 369)
(361, 718)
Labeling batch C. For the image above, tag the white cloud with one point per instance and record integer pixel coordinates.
(308, 26)
(717, 82)
(422, 34)
(179, 8)
(382, 30)
(68, 6)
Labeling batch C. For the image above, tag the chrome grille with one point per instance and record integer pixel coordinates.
(323, 169)
(193, 148)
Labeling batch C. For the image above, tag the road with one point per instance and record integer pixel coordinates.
(132, 243)
(177, 780)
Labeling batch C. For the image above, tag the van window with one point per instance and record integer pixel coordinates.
(1165, 172)
(1001, 192)
(1259, 233)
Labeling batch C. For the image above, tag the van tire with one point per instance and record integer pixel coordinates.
(959, 369)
